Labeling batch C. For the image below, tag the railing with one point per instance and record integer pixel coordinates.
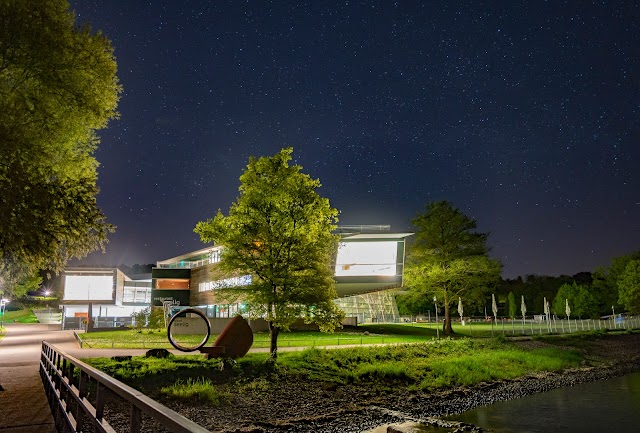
(363, 228)
(79, 396)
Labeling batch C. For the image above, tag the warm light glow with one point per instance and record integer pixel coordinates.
(366, 258)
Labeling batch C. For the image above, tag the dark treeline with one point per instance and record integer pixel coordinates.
(589, 294)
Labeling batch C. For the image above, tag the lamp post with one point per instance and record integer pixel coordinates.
(613, 310)
(3, 303)
(435, 304)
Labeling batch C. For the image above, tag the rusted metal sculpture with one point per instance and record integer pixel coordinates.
(234, 341)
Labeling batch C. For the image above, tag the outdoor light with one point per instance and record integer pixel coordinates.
(435, 304)
(3, 307)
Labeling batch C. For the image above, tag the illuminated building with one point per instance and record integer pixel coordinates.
(368, 268)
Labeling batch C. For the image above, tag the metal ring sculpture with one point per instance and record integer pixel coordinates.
(204, 340)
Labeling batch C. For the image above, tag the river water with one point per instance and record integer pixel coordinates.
(602, 406)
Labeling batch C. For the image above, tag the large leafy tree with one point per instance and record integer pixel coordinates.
(629, 287)
(279, 230)
(582, 300)
(449, 259)
(606, 282)
(58, 85)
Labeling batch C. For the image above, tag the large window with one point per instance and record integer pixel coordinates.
(244, 280)
(366, 258)
(88, 287)
(137, 295)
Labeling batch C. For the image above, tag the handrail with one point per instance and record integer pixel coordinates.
(67, 393)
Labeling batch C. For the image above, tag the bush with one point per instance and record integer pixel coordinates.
(150, 317)
(199, 389)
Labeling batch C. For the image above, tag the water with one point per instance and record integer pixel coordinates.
(603, 406)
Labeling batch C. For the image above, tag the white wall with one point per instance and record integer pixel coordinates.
(88, 287)
(366, 258)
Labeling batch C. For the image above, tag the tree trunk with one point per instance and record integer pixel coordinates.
(446, 326)
(273, 334)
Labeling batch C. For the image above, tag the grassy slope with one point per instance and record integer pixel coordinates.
(21, 316)
(427, 366)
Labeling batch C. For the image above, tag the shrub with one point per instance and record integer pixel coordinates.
(199, 389)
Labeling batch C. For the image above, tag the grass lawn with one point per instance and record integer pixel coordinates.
(363, 334)
(20, 316)
(425, 366)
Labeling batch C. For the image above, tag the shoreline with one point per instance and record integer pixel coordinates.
(304, 406)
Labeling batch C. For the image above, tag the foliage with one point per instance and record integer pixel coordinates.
(279, 231)
(581, 300)
(629, 287)
(150, 317)
(413, 303)
(58, 85)
(198, 389)
(28, 283)
(513, 306)
(449, 259)
(535, 288)
(439, 364)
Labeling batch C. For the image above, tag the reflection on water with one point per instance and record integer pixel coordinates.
(609, 405)
(410, 426)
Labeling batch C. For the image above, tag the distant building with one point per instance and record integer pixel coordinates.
(113, 297)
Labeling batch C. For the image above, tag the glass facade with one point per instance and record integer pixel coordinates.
(371, 307)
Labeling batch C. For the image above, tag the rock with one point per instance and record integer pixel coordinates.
(157, 353)
(121, 358)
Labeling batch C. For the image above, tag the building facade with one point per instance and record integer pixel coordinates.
(106, 295)
(368, 269)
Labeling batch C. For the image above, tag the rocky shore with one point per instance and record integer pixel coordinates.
(312, 407)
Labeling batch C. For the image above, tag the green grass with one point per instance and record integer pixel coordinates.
(426, 366)
(20, 316)
(196, 389)
(158, 338)
(363, 334)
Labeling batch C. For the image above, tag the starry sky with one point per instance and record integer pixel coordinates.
(523, 114)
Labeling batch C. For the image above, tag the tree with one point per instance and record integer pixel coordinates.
(58, 85)
(606, 282)
(629, 287)
(513, 307)
(279, 230)
(449, 259)
(581, 298)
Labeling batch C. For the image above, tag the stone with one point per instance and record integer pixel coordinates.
(157, 353)
(121, 358)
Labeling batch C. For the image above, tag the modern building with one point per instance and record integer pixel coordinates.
(107, 294)
(368, 270)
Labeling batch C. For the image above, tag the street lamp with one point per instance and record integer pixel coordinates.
(435, 304)
(3, 303)
(614, 317)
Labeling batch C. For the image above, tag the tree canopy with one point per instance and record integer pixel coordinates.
(449, 259)
(581, 298)
(58, 86)
(279, 230)
(629, 287)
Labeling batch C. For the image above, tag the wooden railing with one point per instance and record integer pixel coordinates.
(78, 395)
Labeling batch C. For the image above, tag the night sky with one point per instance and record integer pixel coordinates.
(525, 115)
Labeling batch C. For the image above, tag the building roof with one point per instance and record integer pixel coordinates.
(362, 236)
(192, 256)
